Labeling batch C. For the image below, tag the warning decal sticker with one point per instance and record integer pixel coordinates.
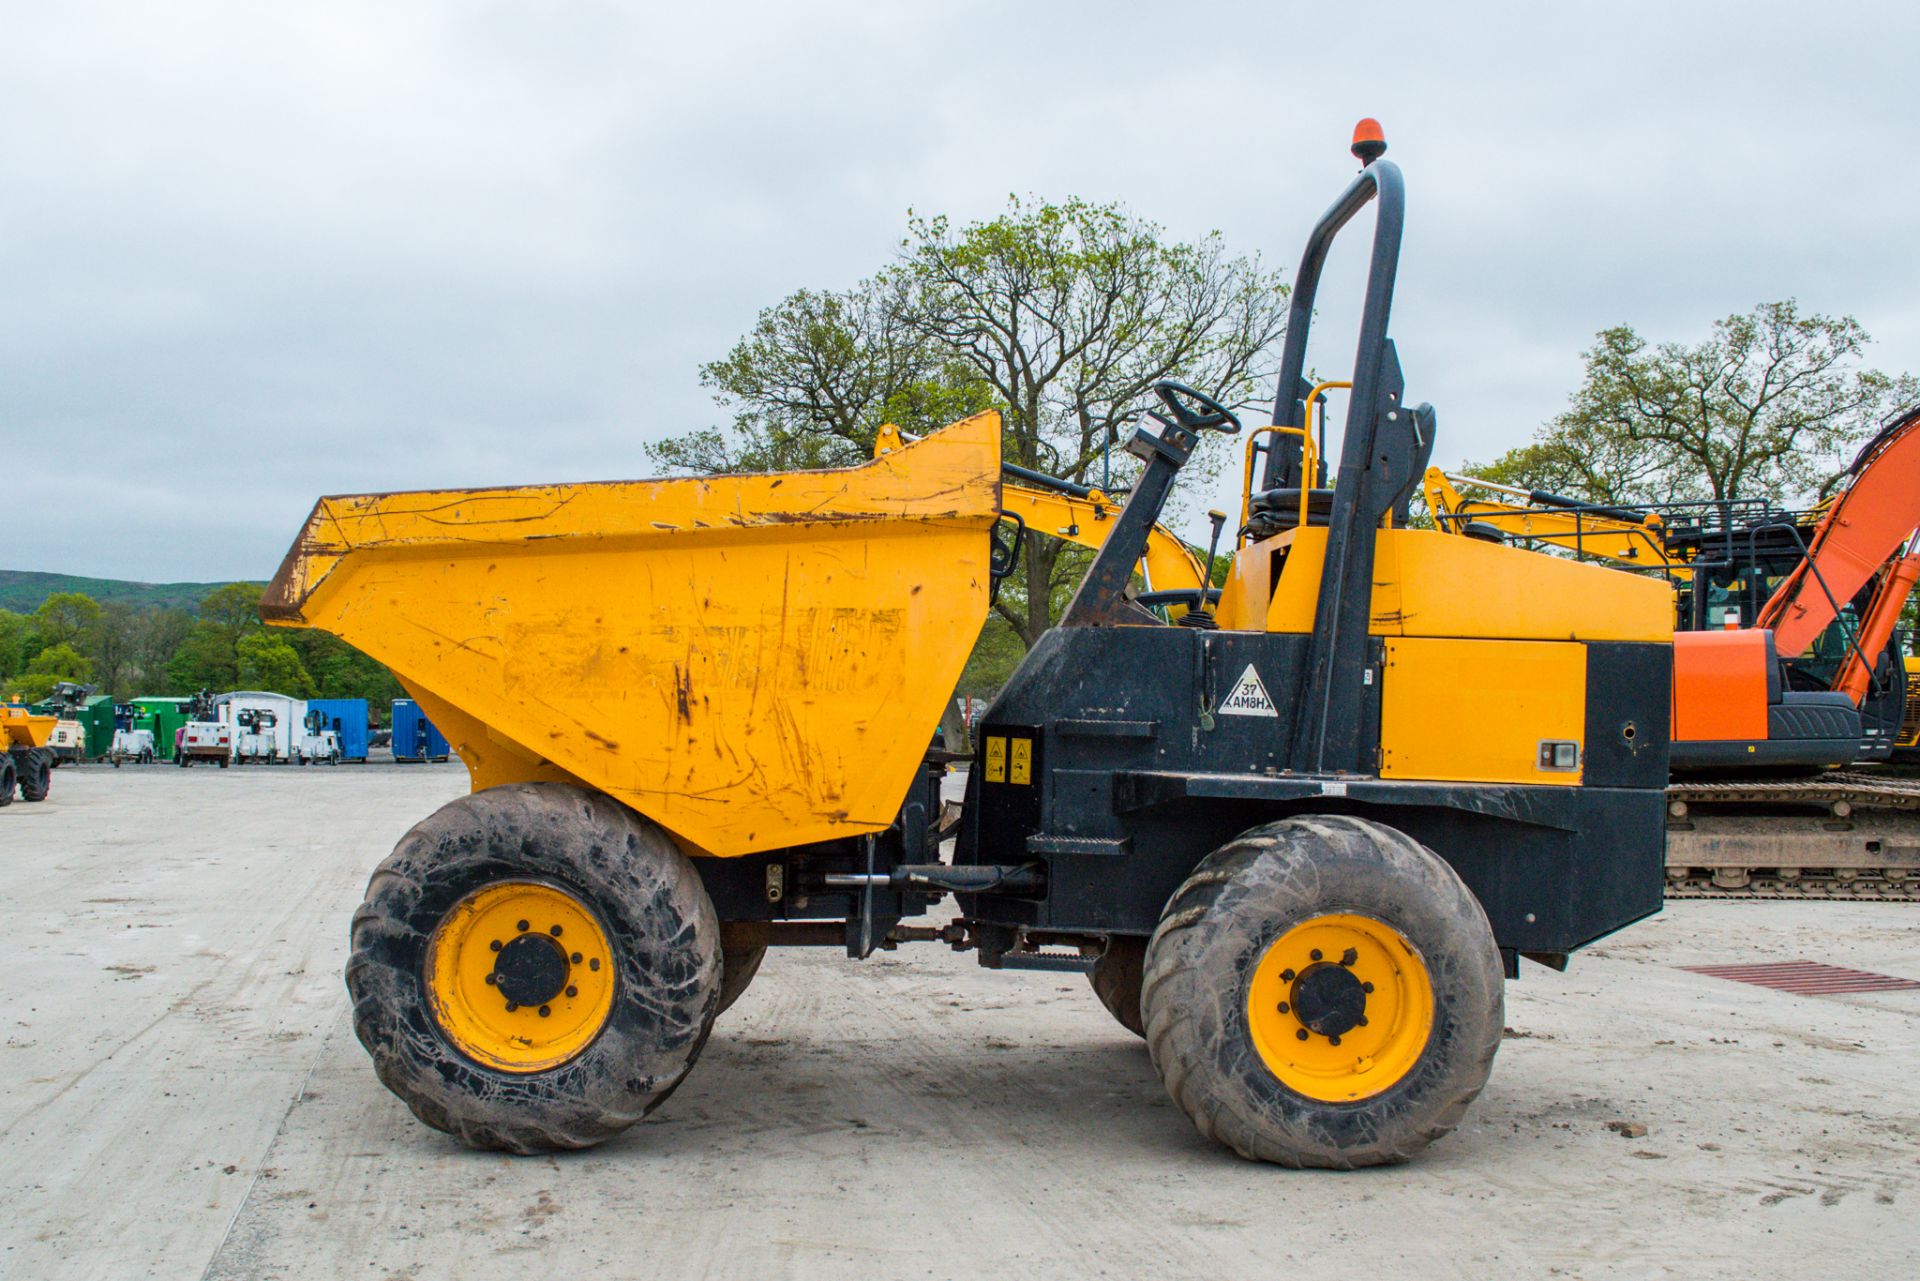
(1248, 698)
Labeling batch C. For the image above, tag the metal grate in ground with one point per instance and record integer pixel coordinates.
(1806, 978)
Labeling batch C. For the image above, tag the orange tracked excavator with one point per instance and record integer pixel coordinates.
(1788, 668)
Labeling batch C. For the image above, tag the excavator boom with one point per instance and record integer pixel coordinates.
(1875, 513)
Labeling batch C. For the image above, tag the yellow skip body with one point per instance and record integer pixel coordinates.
(753, 662)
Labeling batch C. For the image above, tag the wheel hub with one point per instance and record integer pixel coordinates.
(1340, 1006)
(519, 976)
(1329, 1000)
(530, 969)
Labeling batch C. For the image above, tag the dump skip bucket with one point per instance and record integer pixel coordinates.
(21, 728)
(753, 662)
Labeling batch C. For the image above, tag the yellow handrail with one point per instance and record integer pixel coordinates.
(1309, 456)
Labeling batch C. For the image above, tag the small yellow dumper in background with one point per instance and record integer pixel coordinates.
(25, 762)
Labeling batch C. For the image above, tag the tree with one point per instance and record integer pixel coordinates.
(208, 656)
(67, 618)
(1063, 316)
(14, 630)
(1071, 313)
(234, 609)
(1768, 406)
(815, 379)
(205, 659)
(53, 664)
(162, 632)
(115, 639)
(269, 663)
(341, 671)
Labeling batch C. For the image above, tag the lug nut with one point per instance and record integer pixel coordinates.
(1315, 954)
(573, 991)
(511, 1007)
(522, 927)
(1286, 976)
(1363, 1020)
(594, 964)
(1366, 987)
(554, 930)
(1333, 1040)
(1303, 1034)
(544, 1011)
(576, 958)
(1283, 1007)
(1351, 955)
(494, 946)
(491, 980)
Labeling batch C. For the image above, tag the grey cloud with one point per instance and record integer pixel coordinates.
(254, 254)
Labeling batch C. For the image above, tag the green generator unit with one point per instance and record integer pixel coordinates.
(162, 716)
(96, 717)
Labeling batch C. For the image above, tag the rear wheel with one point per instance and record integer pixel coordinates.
(1324, 991)
(36, 778)
(1116, 980)
(536, 967)
(739, 963)
(8, 780)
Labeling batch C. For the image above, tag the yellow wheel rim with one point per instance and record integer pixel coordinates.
(1340, 1007)
(520, 976)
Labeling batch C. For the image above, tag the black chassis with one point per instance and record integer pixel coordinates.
(1137, 777)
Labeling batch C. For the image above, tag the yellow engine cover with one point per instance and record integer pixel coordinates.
(1478, 711)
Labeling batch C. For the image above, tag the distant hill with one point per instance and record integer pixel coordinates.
(22, 590)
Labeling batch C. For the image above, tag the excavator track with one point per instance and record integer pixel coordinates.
(1851, 834)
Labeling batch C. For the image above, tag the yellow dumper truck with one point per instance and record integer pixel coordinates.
(26, 762)
(1298, 839)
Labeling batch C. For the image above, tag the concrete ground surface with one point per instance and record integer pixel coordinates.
(181, 1095)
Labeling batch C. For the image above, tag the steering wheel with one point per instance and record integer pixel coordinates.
(1214, 416)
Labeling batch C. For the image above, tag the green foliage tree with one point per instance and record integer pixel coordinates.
(14, 632)
(341, 671)
(160, 636)
(53, 664)
(1061, 315)
(204, 659)
(116, 638)
(1769, 405)
(814, 380)
(269, 663)
(129, 650)
(67, 618)
(234, 608)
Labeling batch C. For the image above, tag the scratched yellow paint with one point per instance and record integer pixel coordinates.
(752, 661)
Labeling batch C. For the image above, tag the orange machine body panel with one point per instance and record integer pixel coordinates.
(1720, 685)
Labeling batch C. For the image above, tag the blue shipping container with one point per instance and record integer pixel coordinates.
(414, 737)
(346, 717)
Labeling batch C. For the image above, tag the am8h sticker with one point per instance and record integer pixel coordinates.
(1248, 697)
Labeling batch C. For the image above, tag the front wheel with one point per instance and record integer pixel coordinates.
(535, 967)
(1323, 991)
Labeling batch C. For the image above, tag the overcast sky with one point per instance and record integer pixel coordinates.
(250, 254)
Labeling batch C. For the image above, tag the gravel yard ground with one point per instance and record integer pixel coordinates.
(181, 1095)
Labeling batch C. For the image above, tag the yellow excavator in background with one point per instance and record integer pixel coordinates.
(1790, 668)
